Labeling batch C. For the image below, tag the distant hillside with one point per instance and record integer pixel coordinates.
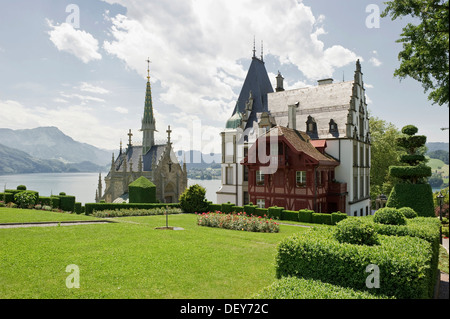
(51, 143)
(196, 159)
(436, 146)
(13, 161)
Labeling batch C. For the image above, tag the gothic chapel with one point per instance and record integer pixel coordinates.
(157, 162)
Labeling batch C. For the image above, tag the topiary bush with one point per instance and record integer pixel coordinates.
(337, 217)
(408, 212)
(21, 188)
(389, 216)
(142, 190)
(305, 215)
(193, 199)
(404, 263)
(355, 231)
(417, 196)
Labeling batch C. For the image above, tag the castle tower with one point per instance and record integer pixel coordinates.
(148, 127)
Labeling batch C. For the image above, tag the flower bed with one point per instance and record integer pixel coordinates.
(239, 221)
(137, 212)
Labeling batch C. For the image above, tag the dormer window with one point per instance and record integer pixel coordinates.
(311, 127)
(333, 128)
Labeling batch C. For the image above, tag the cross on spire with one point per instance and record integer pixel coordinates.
(148, 68)
(168, 134)
(129, 137)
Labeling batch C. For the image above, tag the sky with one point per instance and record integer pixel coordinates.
(81, 65)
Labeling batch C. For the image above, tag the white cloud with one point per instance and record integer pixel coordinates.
(375, 62)
(77, 121)
(86, 87)
(195, 46)
(77, 42)
(121, 110)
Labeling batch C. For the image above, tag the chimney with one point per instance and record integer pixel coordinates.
(292, 115)
(325, 81)
(280, 79)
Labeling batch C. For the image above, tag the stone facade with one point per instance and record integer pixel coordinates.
(157, 162)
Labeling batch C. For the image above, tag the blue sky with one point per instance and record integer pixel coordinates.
(89, 79)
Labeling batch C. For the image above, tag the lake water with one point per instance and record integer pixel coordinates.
(81, 185)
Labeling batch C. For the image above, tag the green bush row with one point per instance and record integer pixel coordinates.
(300, 288)
(137, 212)
(303, 215)
(404, 263)
(91, 207)
(417, 196)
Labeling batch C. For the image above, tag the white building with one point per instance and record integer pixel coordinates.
(331, 112)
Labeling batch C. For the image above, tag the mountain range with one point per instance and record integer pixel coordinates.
(48, 150)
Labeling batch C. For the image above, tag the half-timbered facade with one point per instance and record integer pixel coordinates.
(285, 169)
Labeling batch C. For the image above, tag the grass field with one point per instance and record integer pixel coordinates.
(130, 259)
(440, 166)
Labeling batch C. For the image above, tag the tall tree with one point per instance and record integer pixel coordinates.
(384, 153)
(425, 54)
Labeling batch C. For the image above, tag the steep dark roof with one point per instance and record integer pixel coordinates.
(257, 81)
(135, 152)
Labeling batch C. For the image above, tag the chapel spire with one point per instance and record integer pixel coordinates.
(148, 121)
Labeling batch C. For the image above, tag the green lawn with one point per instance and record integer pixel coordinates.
(131, 259)
(14, 215)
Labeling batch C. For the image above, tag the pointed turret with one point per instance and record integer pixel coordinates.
(148, 127)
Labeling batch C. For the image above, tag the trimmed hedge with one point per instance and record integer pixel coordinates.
(54, 201)
(417, 196)
(7, 197)
(67, 203)
(78, 208)
(319, 218)
(275, 212)
(389, 216)
(305, 215)
(238, 209)
(142, 190)
(91, 207)
(250, 209)
(404, 263)
(300, 288)
(261, 212)
(406, 172)
(337, 217)
(45, 200)
(227, 207)
(290, 215)
(214, 207)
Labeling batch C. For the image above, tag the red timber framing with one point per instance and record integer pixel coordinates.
(302, 178)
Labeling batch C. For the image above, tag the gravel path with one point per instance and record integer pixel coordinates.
(50, 224)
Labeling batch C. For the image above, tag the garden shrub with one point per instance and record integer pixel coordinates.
(300, 288)
(54, 201)
(193, 199)
(77, 207)
(355, 231)
(417, 196)
(91, 207)
(21, 188)
(142, 190)
(261, 212)
(45, 200)
(275, 212)
(238, 221)
(7, 197)
(137, 212)
(67, 203)
(389, 216)
(408, 212)
(404, 263)
(305, 215)
(238, 209)
(227, 208)
(215, 207)
(250, 209)
(290, 215)
(319, 218)
(26, 199)
(337, 217)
